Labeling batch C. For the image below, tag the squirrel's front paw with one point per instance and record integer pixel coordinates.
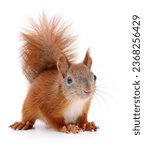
(71, 128)
(64, 129)
(90, 126)
(21, 125)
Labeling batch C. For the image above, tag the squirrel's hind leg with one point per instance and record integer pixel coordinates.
(29, 115)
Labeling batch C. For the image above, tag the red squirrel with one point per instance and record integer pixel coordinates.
(60, 90)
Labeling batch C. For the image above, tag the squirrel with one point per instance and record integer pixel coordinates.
(60, 90)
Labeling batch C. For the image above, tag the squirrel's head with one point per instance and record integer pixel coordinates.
(78, 81)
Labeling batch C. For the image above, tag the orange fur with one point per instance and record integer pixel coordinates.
(47, 55)
(43, 44)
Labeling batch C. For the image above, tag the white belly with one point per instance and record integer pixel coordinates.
(74, 110)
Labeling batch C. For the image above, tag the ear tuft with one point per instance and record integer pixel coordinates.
(88, 60)
(63, 65)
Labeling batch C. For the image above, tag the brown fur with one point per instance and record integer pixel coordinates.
(47, 58)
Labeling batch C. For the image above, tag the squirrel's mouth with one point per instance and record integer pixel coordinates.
(87, 92)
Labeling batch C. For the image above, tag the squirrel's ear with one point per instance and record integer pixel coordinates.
(63, 65)
(88, 60)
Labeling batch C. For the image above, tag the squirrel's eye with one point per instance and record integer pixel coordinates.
(95, 77)
(69, 80)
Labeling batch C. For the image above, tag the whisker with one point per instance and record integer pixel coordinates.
(107, 94)
(102, 98)
(97, 97)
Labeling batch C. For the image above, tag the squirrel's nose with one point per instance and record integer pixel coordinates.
(87, 89)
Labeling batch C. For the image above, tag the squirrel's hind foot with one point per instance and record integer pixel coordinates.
(22, 125)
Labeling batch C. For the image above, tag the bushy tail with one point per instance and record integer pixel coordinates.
(43, 45)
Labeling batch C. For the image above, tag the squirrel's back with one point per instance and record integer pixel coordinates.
(43, 44)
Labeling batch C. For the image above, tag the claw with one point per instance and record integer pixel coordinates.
(11, 126)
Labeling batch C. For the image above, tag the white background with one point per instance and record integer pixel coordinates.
(105, 27)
